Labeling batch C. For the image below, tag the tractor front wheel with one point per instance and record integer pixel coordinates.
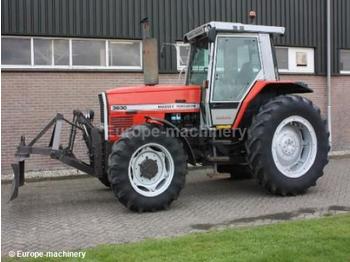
(287, 145)
(147, 169)
(104, 180)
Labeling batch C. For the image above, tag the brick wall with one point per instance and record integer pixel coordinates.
(341, 112)
(30, 99)
(340, 104)
(318, 84)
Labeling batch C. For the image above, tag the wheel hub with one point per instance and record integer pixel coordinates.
(289, 147)
(149, 168)
(288, 144)
(294, 146)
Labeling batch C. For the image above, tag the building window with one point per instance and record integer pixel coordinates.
(61, 53)
(15, 51)
(282, 58)
(88, 53)
(182, 53)
(295, 59)
(125, 54)
(42, 52)
(345, 61)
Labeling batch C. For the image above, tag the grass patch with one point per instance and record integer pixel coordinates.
(324, 239)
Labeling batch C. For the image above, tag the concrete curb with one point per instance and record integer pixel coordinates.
(60, 174)
(339, 154)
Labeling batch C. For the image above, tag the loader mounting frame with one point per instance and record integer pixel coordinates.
(92, 137)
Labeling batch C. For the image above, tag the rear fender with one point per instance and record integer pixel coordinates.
(263, 91)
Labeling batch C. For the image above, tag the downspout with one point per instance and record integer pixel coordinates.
(329, 72)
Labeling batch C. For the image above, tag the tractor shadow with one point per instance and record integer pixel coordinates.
(223, 186)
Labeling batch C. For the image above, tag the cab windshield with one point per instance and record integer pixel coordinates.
(198, 67)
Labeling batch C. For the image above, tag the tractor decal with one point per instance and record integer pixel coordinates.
(152, 107)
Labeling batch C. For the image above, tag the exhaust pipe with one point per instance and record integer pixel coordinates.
(150, 55)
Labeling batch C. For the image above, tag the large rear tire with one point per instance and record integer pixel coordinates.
(287, 145)
(147, 172)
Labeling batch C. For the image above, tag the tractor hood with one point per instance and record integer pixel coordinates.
(128, 106)
(139, 96)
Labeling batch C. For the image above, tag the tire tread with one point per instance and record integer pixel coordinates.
(254, 144)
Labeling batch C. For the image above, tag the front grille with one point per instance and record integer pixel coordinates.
(102, 108)
(119, 124)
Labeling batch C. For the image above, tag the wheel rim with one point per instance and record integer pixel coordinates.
(151, 169)
(294, 146)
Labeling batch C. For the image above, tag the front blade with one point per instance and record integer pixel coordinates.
(18, 179)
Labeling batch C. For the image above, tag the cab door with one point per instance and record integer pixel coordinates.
(236, 67)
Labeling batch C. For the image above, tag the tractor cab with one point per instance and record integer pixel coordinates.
(227, 59)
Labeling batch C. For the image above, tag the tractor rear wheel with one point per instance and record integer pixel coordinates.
(147, 171)
(287, 145)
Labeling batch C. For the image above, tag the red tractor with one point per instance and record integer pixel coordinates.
(233, 113)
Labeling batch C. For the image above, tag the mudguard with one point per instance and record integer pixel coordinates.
(276, 87)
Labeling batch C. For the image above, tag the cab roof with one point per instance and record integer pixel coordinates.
(232, 27)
